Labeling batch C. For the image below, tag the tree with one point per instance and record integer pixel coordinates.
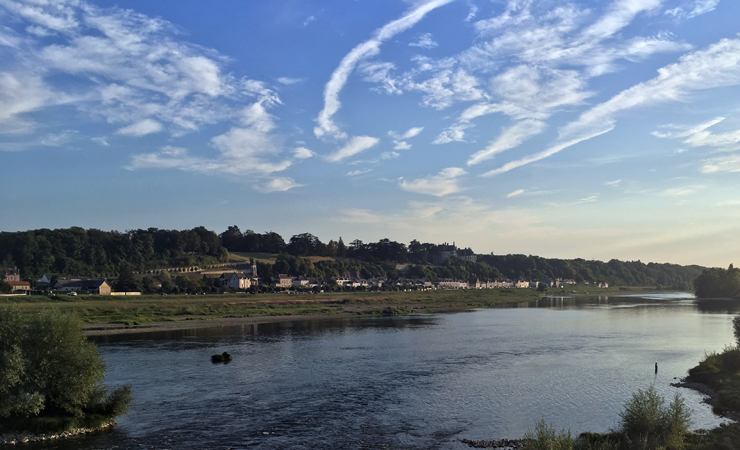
(125, 281)
(5, 288)
(49, 366)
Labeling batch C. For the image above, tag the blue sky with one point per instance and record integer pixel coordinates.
(594, 129)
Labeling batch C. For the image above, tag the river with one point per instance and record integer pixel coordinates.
(410, 382)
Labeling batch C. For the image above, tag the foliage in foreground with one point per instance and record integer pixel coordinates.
(647, 423)
(50, 373)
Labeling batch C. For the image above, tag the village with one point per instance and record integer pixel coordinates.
(247, 280)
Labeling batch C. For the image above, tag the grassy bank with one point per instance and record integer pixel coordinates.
(142, 310)
(147, 309)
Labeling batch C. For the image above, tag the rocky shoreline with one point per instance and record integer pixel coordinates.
(24, 438)
(511, 444)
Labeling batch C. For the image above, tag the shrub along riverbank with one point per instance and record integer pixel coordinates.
(51, 376)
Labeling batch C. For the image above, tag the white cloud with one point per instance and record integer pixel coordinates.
(57, 139)
(142, 128)
(379, 73)
(399, 139)
(515, 193)
(245, 149)
(448, 87)
(308, 20)
(22, 93)
(279, 185)
(510, 138)
(249, 147)
(127, 66)
(716, 66)
(367, 49)
(726, 164)
(473, 12)
(613, 183)
(356, 145)
(681, 191)
(354, 173)
(101, 140)
(288, 81)
(302, 153)
(543, 154)
(589, 199)
(692, 9)
(455, 133)
(425, 41)
(700, 136)
(412, 132)
(444, 183)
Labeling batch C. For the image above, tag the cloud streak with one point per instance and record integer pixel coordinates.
(356, 145)
(326, 127)
(444, 183)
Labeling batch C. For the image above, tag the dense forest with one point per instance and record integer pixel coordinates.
(718, 283)
(99, 253)
(380, 259)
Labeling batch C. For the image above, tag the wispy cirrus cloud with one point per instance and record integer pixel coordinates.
(510, 138)
(356, 145)
(128, 69)
(441, 184)
(692, 8)
(722, 164)
(701, 136)
(424, 41)
(354, 173)
(716, 66)
(325, 124)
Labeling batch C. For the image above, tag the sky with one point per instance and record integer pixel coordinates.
(586, 129)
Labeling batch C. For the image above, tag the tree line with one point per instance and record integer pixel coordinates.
(718, 283)
(99, 253)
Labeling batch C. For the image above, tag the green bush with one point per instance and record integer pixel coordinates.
(707, 369)
(648, 423)
(49, 369)
(544, 437)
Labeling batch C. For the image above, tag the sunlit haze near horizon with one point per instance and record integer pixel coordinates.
(582, 129)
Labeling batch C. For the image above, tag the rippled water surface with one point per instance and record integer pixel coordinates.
(408, 382)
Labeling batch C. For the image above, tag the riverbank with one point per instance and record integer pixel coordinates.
(27, 438)
(122, 315)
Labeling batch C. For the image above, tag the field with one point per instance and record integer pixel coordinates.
(172, 311)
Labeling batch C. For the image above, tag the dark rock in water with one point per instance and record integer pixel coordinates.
(224, 357)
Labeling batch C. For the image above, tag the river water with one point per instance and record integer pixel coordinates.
(412, 382)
